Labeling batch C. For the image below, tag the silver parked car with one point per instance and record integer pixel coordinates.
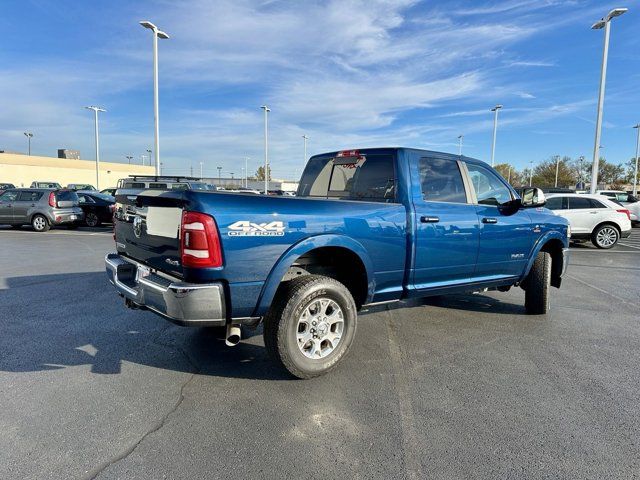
(40, 207)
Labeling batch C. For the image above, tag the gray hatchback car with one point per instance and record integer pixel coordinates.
(40, 207)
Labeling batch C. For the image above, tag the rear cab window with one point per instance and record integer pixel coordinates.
(361, 177)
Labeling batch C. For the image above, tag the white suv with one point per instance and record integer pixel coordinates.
(629, 201)
(592, 217)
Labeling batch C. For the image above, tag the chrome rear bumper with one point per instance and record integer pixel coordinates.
(187, 304)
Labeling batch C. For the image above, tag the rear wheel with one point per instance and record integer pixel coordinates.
(538, 283)
(310, 325)
(92, 220)
(605, 236)
(40, 223)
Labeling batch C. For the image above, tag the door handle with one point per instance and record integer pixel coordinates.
(429, 219)
(593, 213)
(489, 220)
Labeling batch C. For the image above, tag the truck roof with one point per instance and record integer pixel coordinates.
(379, 150)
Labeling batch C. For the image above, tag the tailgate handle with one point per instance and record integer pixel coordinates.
(429, 219)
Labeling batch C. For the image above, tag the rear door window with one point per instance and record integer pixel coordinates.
(29, 196)
(441, 181)
(366, 178)
(578, 203)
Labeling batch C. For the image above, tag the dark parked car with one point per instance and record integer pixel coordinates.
(40, 207)
(97, 207)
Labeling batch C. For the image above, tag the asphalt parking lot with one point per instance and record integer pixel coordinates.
(455, 387)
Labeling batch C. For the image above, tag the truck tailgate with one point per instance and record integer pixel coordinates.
(147, 227)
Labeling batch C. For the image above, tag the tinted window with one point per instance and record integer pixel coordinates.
(179, 186)
(488, 187)
(580, 202)
(85, 199)
(29, 196)
(441, 181)
(103, 196)
(66, 196)
(157, 185)
(368, 178)
(8, 196)
(554, 203)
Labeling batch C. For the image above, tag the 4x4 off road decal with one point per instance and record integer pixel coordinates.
(245, 228)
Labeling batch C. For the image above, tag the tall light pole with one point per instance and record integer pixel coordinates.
(219, 175)
(460, 139)
(606, 24)
(29, 136)
(635, 172)
(156, 111)
(129, 157)
(509, 177)
(557, 167)
(246, 172)
(200, 171)
(530, 172)
(266, 148)
(95, 113)
(305, 138)
(495, 131)
(581, 159)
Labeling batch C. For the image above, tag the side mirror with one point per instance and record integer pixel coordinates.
(532, 197)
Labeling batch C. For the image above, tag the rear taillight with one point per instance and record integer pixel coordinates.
(625, 211)
(52, 199)
(199, 241)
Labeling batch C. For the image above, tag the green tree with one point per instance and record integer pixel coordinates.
(611, 174)
(544, 174)
(260, 174)
(508, 172)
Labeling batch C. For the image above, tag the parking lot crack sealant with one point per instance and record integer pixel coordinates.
(92, 474)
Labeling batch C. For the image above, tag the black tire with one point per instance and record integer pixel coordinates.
(40, 223)
(91, 219)
(538, 283)
(605, 236)
(281, 324)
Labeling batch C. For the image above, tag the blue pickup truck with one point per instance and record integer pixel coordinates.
(367, 226)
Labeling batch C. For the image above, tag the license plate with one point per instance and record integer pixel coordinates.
(73, 217)
(143, 271)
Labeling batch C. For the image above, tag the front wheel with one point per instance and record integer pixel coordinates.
(311, 325)
(538, 283)
(605, 236)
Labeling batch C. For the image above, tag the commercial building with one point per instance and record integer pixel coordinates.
(21, 170)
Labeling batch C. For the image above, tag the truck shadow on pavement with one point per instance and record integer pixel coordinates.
(50, 322)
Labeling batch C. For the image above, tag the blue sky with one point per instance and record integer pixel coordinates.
(347, 73)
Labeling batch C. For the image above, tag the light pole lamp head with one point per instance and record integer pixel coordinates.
(95, 109)
(151, 26)
(460, 137)
(616, 12)
(637, 126)
(28, 134)
(265, 108)
(162, 34)
(496, 108)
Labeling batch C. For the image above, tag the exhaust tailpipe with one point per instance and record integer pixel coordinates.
(233, 335)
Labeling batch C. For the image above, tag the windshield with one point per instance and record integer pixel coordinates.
(368, 178)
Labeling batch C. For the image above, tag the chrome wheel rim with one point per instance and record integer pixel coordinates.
(92, 219)
(607, 237)
(39, 223)
(320, 328)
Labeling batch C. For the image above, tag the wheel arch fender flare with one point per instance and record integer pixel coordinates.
(540, 243)
(302, 247)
